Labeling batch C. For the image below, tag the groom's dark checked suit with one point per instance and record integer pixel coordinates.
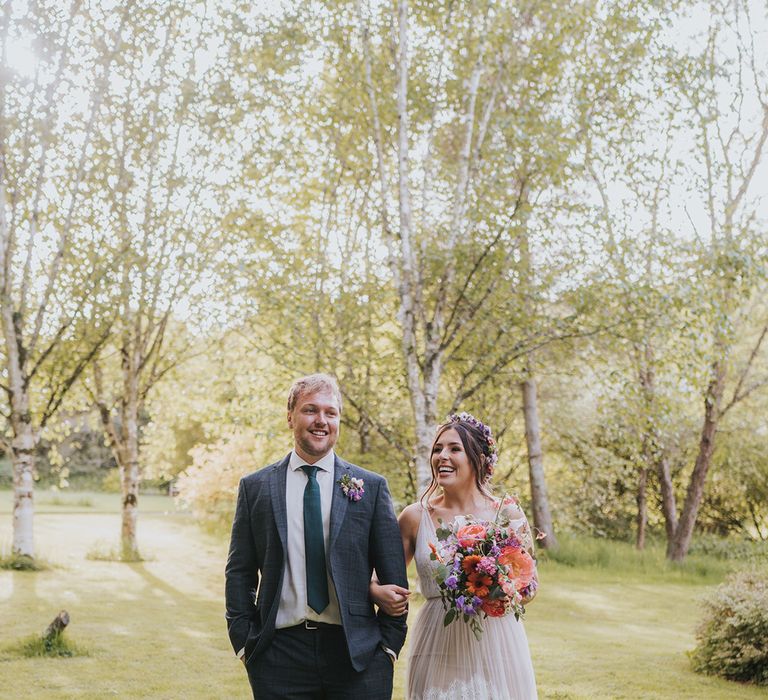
(291, 650)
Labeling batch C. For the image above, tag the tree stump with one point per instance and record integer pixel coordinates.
(56, 627)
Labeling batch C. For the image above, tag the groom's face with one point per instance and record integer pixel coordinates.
(315, 423)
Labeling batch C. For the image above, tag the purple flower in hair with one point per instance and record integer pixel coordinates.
(490, 454)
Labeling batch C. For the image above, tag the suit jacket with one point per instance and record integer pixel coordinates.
(363, 535)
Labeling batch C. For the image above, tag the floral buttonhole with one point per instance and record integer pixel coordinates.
(352, 488)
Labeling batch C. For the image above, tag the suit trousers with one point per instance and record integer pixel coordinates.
(313, 664)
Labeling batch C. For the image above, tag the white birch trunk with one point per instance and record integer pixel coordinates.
(23, 457)
(129, 480)
(423, 343)
(542, 518)
(422, 403)
(23, 441)
(23, 446)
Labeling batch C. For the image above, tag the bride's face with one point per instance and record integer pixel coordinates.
(450, 462)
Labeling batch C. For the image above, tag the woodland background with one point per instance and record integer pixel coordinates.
(549, 214)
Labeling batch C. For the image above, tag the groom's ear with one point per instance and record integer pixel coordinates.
(290, 419)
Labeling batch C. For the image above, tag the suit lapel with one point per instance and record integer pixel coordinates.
(277, 490)
(339, 501)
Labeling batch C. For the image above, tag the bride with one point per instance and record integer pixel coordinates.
(447, 662)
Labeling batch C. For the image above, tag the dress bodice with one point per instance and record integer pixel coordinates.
(425, 567)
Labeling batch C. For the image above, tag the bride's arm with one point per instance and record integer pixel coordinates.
(391, 598)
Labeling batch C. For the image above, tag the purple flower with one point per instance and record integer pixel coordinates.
(468, 607)
(452, 582)
(352, 488)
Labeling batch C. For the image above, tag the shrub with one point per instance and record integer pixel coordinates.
(733, 636)
(209, 486)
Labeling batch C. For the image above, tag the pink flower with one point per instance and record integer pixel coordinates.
(487, 565)
(469, 535)
(522, 567)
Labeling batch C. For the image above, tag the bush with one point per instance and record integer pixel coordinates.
(209, 486)
(733, 637)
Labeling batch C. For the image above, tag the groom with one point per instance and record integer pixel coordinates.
(307, 532)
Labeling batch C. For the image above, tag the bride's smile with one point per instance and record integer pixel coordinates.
(449, 460)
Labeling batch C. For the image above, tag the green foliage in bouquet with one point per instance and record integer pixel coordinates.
(733, 636)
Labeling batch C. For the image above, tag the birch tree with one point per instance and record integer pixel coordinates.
(460, 124)
(162, 193)
(511, 86)
(463, 201)
(56, 68)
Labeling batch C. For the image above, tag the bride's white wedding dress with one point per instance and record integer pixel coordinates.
(448, 663)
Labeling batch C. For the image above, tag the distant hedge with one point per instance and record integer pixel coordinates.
(733, 636)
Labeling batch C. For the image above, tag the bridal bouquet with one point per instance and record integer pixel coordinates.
(483, 569)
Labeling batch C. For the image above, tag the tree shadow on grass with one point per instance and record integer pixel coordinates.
(157, 583)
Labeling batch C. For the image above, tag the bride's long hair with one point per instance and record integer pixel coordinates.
(472, 440)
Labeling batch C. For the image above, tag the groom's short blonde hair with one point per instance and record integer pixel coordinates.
(312, 383)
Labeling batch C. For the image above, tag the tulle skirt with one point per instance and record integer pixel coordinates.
(448, 663)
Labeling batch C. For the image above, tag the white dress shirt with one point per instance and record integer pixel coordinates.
(293, 607)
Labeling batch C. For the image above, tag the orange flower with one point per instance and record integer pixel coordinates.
(434, 551)
(522, 567)
(493, 607)
(469, 562)
(469, 535)
(479, 584)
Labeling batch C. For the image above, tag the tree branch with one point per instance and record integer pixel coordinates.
(97, 97)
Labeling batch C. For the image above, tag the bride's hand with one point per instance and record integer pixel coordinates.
(392, 599)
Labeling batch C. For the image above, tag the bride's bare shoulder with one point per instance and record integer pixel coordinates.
(411, 514)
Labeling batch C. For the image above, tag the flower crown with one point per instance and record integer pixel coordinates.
(490, 453)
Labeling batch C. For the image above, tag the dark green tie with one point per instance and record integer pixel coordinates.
(314, 546)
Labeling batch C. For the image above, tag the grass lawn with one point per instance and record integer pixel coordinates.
(156, 629)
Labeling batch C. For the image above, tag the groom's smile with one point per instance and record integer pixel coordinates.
(315, 423)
